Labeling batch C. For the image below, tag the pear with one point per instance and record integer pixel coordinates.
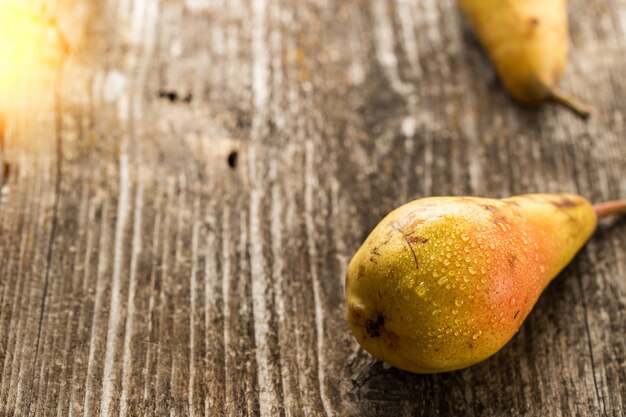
(443, 283)
(527, 42)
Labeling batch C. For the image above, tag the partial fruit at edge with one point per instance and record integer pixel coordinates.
(527, 42)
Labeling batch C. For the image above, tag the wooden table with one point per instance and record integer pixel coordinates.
(182, 197)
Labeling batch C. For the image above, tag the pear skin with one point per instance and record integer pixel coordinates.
(527, 42)
(443, 283)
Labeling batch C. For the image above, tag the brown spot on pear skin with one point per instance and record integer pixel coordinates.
(393, 340)
(512, 261)
(406, 238)
(565, 202)
(416, 239)
(533, 26)
(373, 326)
(359, 274)
(375, 250)
(376, 328)
(410, 219)
(498, 216)
(355, 311)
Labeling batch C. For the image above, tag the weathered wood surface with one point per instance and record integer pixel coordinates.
(183, 198)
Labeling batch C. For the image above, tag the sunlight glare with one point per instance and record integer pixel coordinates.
(28, 45)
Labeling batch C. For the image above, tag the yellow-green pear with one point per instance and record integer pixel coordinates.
(527, 42)
(445, 282)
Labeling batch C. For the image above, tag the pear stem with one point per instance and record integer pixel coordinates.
(581, 109)
(610, 208)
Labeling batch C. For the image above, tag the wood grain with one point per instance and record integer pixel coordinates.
(181, 199)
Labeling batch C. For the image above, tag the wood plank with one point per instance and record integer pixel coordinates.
(183, 198)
